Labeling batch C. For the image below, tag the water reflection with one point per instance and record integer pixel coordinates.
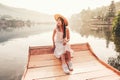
(107, 39)
(25, 31)
(112, 43)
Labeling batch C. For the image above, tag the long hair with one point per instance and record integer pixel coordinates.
(64, 27)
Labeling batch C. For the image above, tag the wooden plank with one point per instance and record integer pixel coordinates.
(79, 76)
(42, 57)
(35, 62)
(51, 71)
(50, 46)
(51, 56)
(58, 62)
(44, 63)
(106, 77)
(48, 49)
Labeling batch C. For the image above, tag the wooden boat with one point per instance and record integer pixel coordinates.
(42, 65)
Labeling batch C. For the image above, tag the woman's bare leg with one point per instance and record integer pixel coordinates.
(64, 65)
(69, 61)
(68, 56)
(63, 59)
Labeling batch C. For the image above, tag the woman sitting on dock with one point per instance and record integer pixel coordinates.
(61, 37)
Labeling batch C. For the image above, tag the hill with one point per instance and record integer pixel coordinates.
(24, 14)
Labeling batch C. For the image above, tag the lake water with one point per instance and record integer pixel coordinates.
(14, 45)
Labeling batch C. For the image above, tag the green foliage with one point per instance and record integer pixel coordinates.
(116, 25)
(117, 43)
(115, 62)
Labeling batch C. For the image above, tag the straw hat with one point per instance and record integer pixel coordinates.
(56, 16)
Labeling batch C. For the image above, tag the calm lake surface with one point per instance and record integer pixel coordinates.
(14, 45)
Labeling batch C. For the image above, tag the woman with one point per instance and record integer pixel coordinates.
(61, 37)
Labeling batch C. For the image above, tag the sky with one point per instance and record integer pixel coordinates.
(64, 7)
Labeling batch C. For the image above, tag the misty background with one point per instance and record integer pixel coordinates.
(21, 28)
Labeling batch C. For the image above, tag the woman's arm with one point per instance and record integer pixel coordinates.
(54, 32)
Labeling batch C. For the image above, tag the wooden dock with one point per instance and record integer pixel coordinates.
(43, 65)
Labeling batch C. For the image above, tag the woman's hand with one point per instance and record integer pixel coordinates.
(53, 47)
(54, 32)
(64, 42)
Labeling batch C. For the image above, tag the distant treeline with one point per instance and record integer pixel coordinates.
(102, 12)
(7, 21)
(82, 21)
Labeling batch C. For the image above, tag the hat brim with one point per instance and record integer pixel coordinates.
(56, 16)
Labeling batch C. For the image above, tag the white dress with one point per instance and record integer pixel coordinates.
(59, 47)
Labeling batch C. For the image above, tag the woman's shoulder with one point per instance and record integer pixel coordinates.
(55, 29)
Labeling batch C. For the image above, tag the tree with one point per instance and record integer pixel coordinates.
(112, 9)
(115, 61)
(116, 25)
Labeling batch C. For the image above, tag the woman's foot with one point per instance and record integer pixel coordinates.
(65, 68)
(70, 65)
